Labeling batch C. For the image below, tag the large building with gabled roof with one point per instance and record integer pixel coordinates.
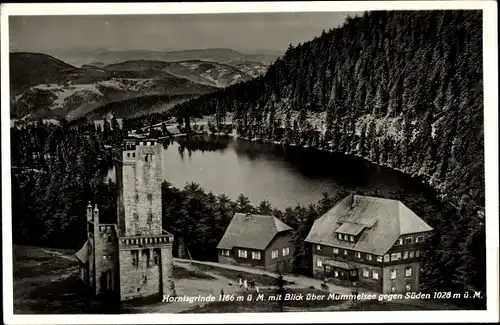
(369, 242)
(260, 241)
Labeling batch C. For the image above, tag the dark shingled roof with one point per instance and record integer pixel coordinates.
(253, 231)
(83, 254)
(384, 221)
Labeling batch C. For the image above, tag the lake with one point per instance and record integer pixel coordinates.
(285, 176)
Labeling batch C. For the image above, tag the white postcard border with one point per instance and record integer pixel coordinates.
(490, 68)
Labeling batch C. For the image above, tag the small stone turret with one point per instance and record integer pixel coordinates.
(89, 212)
(96, 215)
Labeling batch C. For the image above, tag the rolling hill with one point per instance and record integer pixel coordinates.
(204, 72)
(45, 87)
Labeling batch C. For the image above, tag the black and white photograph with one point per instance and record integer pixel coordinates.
(266, 162)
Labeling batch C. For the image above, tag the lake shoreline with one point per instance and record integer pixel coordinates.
(418, 177)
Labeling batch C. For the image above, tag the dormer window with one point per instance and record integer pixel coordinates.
(339, 236)
(351, 238)
(408, 240)
(399, 242)
(419, 239)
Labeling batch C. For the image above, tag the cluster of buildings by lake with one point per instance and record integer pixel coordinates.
(366, 242)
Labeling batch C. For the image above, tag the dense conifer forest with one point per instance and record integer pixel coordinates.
(403, 89)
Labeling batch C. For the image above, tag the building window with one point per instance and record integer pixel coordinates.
(375, 274)
(419, 239)
(366, 273)
(133, 154)
(225, 252)
(242, 253)
(408, 271)
(405, 255)
(411, 254)
(357, 255)
(318, 247)
(156, 256)
(417, 253)
(387, 258)
(109, 239)
(146, 157)
(351, 238)
(346, 237)
(274, 254)
(104, 257)
(353, 273)
(399, 242)
(145, 254)
(345, 252)
(286, 251)
(379, 258)
(393, 289)
(319, 263)
(150, 197)
(255, 255)
(408, 287)
(394, 273)
(339, 236)
(335, 251)
(408, 240)
(328, 268)
(336, 274)
(128, 154)
(396, 256)
(135, 257)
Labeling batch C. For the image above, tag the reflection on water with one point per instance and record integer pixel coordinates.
(284, 176)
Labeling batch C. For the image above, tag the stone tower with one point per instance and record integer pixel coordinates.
(145, 249)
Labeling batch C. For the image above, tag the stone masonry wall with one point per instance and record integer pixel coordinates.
(142, 178)
(167, 263)
(139, 280)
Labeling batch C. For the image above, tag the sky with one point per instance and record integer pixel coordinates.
(240, 31)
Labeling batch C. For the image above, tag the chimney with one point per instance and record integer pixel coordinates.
(352, 199)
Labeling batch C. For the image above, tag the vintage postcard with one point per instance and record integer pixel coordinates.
(250, 162)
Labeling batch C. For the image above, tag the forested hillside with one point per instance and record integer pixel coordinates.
(398, 88)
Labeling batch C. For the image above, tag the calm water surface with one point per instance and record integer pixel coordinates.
(285, 176)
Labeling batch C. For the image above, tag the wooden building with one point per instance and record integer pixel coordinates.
(257, 241)
(369, 242)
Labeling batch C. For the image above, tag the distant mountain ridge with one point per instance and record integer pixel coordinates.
(106, 57)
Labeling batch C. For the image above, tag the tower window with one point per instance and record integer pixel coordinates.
(156, 256)
(145, 254)
(146, 157)
(135, 257)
